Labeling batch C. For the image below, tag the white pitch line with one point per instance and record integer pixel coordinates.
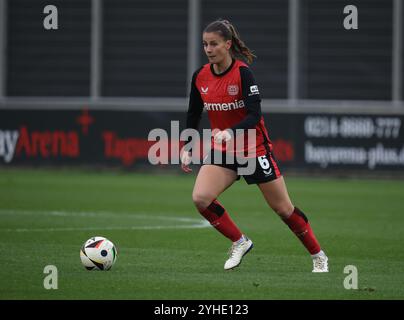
(197, 223)
(58, 213)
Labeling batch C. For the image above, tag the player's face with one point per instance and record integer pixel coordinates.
(217, 49)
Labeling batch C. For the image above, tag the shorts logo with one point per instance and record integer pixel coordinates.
(232, 90)
(253, 90)
(204, 90)
(269, 172)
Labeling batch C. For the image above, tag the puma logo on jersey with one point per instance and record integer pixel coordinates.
(237, 104)
(204, 90)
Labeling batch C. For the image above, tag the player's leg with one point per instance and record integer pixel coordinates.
(211, 181)
(277, 197)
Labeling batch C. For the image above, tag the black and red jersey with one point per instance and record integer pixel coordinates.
(232, 101)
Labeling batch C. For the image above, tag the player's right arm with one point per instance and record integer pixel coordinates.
(194, 114)
(195, 106)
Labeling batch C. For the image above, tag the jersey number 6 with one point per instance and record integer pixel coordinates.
(265, 165)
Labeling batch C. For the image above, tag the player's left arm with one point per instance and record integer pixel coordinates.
(252, 100)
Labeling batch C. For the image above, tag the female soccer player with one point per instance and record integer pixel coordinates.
(227, 89)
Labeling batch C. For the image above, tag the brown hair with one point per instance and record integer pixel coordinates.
(238, 49)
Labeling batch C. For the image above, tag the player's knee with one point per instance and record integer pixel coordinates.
(201, 200)
(284, 210)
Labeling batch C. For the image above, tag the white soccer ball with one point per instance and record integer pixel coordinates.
(98, 253)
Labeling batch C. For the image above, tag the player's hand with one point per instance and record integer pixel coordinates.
(185, 161)
(222, 136)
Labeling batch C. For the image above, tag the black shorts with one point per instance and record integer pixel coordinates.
(254, 170)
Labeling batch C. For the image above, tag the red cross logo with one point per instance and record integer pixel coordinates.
(84, 120)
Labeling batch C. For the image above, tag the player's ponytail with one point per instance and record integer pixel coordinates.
(238, 49)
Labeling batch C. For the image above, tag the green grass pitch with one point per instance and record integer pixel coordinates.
(167, 252)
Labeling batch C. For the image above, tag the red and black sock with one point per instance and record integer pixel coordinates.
(221, 221)
(300, 226)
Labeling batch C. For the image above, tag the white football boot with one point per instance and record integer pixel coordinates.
(320, 262)
(237, 251)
